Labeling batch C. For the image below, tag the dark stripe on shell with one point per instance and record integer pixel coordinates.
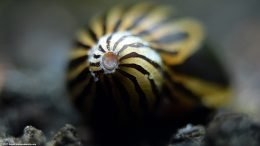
(171, 38)
(79, 78)
(108, 41)
(135, 45)
(80, 100)
(93, 35)
(96, 56)
(181, 88)
(145, 72)
(99, 72)
(154, 27)
(119, 40)
(123, 92)
(156, 93)
(134, 54)
(100, 48)
(166, 51)
(79, 44)
(104, 23)
(77, 61)
(97, 64)
(203, 64)
(138, 89)
(118, 23)
(139, 19)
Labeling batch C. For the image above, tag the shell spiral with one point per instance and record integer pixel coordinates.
(124, 61)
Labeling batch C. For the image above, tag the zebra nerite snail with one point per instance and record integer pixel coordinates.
(127, 61)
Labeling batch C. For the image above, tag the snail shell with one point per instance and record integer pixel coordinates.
(124, 63)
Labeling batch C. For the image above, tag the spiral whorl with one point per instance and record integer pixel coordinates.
(122, 49)
(129, 59)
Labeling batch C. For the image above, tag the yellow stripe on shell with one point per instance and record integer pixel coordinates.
(90, 99)
(129, 86)
(184, 48)
(126, 42)
(77, 70)
(77, 53)
(144, 84)
(77, 89)
(158, 15)
(96, 25)
(117, 99)
(155, 74)
(181, 98)
(130, 16)
(114, 15)
(85, 38)
(212, 95)
(141, 51)
(95, 68)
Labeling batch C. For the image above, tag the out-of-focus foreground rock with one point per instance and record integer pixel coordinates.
(226, 129)
(66, 136)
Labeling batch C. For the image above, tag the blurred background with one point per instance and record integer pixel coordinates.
(35, 37)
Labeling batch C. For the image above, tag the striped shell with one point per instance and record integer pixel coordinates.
(124, 62)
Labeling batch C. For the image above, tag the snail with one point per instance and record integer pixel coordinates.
(127, 61)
